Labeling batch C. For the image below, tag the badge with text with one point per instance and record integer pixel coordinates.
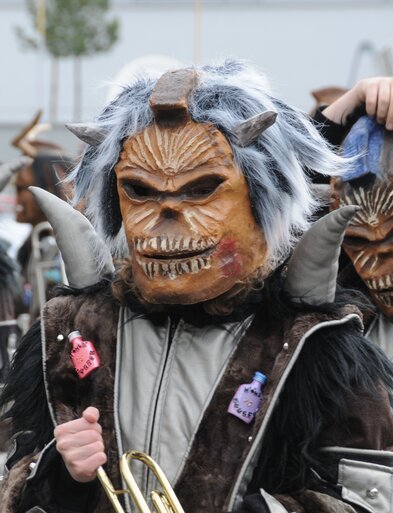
(83, 355)
(247, 399)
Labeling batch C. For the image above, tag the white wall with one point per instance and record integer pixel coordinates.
(299, 48)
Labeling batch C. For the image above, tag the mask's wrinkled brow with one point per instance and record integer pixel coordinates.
(376, 203)
(175, 150)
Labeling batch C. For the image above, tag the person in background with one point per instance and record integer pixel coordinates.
(361, 122)
(38, 256)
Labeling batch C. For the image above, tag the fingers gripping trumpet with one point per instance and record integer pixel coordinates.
(164, 501)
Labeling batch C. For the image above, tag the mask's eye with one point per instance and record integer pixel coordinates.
(202, 188)
(137, 190)
(355, 241)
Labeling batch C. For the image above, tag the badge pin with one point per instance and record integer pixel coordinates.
(83, 355)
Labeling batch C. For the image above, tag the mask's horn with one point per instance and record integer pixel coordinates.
(90, 133)
(313, 266)
(170, 96)
(86, 258)
(248, 131)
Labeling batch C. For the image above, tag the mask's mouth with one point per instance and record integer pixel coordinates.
(171, 248)
(383, 283)
(382, 289)
(179, 256)
(171, 258)
(385, 297)
(172, 268)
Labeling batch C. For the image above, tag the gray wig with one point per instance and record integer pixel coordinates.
(275, 165)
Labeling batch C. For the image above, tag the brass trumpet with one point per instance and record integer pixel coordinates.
(164, 501)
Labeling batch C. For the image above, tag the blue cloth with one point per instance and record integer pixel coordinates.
(365, 139)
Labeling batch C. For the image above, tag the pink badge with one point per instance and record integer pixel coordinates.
(83, 355)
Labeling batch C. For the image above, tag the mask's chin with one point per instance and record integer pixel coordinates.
(208, 284)
(183, 289)
(127, 289)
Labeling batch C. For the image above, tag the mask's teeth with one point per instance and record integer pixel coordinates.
(186, 243)
(194, 266)
(185, 267)
(206, 263)
(387, 300)
(172, 269)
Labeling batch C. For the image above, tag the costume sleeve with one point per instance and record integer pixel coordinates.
(333, 132)
(329, 447)
(35, 476)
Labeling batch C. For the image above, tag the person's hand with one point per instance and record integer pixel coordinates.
(376, 94)
(81, 445)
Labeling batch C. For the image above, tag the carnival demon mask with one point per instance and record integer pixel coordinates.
(369, 238)
(45, 171)
(183, 175)
(187, 215)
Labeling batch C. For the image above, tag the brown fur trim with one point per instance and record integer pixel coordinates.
(316, 501)
(12, 486)
(95, 316)
(311, 501)
(290, 503)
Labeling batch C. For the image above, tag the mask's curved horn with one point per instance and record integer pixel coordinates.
(10, 168)
(248, 131)
(21, 140)
(90, 133)
(86, 258)
(313, 266)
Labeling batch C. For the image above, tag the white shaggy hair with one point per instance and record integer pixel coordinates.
(276, 166)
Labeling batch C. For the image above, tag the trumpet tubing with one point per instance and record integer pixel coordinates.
(164, 501)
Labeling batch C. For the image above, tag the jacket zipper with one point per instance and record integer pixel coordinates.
(173, 323)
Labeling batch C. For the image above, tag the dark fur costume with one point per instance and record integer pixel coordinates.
(332, 375)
